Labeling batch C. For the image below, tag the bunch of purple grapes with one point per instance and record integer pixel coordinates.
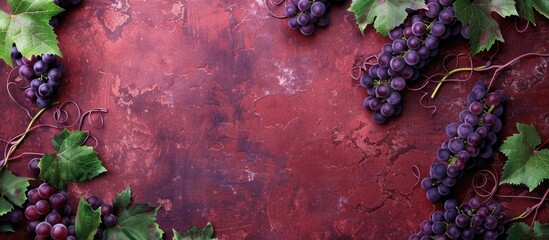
(108, 219)
(466, 221)
(470, 144)
(65, 4)
(306, 15)
(44, 74)
(48, 214)
(415, 44)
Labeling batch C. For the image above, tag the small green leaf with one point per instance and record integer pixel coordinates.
(6, 227)
(87, 220)
(525, 165)
(194, 233)
(483, 29)
(520, 231)
(72, 163)
(5, 206)
(12, 190)
(29, 28)
(123, 199)
(137, 221)
(385, 14)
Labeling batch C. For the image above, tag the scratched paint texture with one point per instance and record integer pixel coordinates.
(219, 112)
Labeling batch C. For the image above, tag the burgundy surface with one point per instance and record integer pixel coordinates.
(221, 113)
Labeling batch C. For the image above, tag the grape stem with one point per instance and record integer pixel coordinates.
(534, 209)
(497, 68)
(540, 146)
(21, 138)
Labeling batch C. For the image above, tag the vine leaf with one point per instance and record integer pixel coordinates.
(526, 9)
(194, 233)
(525, 164)
(28, 26)
(521, 230)
(72, 162)
(6, 227)
(483, 29)
(385, 14)
(137, 221)
(87, 220)
(12, 190)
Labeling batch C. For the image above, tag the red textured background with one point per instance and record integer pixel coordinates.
(221, 113)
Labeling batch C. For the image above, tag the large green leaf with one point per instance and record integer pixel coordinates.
(87, 220)
(137, 221)
(194, 233)
(521, 231)
(385, 14)
(484, 31)
(28, 27)
(72, 163)
(12, 190)
(525, 164)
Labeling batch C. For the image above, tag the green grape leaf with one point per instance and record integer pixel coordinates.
(72, 162)
(520, 231)
(525, 164)
(384, 14)
(483, 29)
(12, 190)
(136, 221)
(194, 233)
(87, 220)
(6, 227)
(28, 27)
(526, 8)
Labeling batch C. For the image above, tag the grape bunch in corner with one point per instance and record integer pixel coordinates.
(307, 15)
(415, 44)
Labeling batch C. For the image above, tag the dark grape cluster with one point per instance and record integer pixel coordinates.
(306, 15)
(11, 218)
(415, 44)
(65, 4)
(470, 142)
(44, 74)
(48, 214)
(472, 220)
(108, 218)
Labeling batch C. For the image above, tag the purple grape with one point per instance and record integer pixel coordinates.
(394, 98)
(419, 28)
(395, 34)
(433, 195)
(307, 29)
(26, 72)
(397, 63)
(431, 42)
(446, 16)
(43, 229)
(318, 9)
(398, 83)
(383, 90)
(399, 46)
(304, 5)
(426, 183)
(378, 118)
(411, 57)
(387, 109)
(413, 43)
(476, 108)
(59, 232)
(438, 227)
(438, 29)
(433, 9)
